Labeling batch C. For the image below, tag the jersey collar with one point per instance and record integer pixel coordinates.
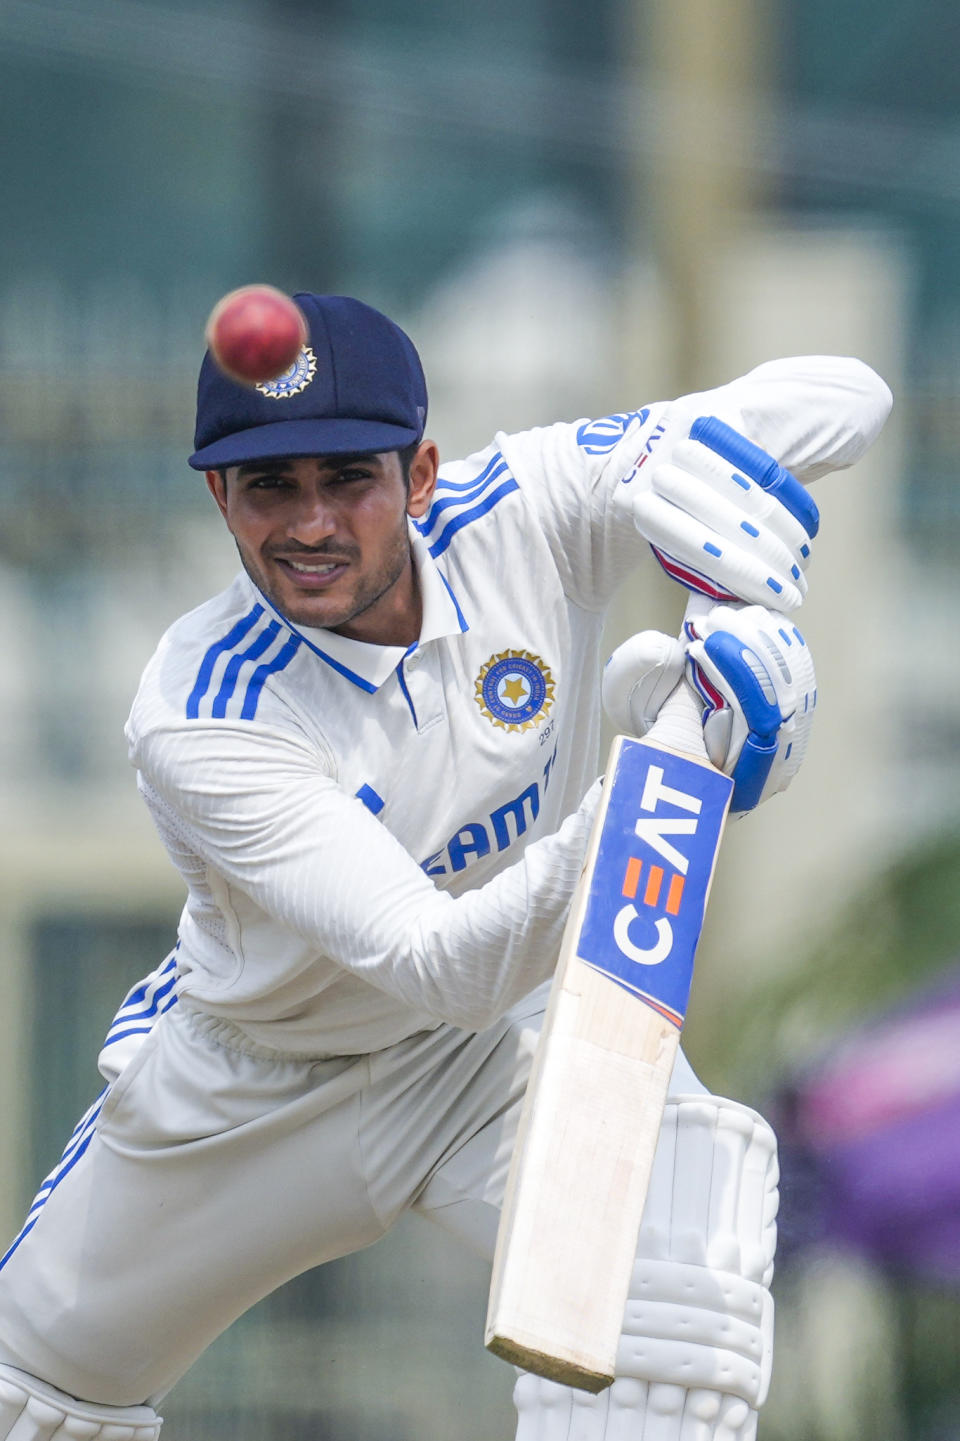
(366, 665)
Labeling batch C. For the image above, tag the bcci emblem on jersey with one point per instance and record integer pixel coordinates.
(292, 381)
(514, 690)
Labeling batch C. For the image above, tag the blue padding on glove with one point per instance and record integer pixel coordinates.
(760, 466)
(749, 681)
(751, 771)
(738, 665)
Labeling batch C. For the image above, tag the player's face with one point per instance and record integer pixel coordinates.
(325, 538)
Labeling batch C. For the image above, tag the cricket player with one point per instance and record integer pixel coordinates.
(373, 759)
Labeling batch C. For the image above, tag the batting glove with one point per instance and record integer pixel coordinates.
(754, 673)
(724, 518)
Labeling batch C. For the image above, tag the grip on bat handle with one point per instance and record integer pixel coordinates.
(697, 605)
(679, 724)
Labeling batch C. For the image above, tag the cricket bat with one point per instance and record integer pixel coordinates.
(581, 1166)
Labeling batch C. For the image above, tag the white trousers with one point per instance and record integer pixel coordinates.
(215, 1170)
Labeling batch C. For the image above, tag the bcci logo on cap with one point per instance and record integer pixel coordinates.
(650, 882)
(514, 690)
(292, 381)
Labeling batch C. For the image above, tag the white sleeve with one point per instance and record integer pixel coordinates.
(813, 413)
(259, 811)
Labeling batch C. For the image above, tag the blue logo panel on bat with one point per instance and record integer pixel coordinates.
(646, 901)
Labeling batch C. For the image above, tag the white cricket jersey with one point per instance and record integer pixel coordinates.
(376, 840)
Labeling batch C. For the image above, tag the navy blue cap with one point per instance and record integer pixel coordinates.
(357, 386)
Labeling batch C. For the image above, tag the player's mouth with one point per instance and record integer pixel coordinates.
(311, 574)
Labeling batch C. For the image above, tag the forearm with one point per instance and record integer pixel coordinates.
(284, 844)
(813, 413)
(474, 956)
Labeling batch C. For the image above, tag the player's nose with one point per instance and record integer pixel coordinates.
(314, 519)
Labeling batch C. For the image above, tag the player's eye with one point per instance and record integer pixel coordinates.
(352, 473)
(267, 482)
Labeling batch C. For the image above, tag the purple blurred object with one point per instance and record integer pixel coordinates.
(880, 1118)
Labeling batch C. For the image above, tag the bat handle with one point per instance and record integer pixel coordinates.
(679, 723)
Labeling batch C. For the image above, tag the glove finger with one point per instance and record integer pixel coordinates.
(727, 520)
(691, 546)
(753, 461)
(746, 497)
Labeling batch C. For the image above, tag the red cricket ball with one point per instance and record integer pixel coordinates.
(255, 333)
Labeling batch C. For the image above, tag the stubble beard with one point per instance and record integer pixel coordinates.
(321, 615)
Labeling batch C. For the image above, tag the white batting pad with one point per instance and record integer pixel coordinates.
(30, 1410)
(695, 1354)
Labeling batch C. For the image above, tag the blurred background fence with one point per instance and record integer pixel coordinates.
(573, 209)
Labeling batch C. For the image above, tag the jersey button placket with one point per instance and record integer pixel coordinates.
(423, 680)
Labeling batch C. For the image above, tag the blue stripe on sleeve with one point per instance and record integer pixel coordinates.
(466, 516)
(494, 467)
(280, 661)
(205, 673)
(253, 652)
(470, 492)
(462, 500)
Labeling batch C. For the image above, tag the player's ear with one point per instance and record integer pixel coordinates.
(423, 478)
(217, 486)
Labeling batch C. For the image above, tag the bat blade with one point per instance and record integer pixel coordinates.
(581, 1165)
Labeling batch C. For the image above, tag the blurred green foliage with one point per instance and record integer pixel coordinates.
(893, 938)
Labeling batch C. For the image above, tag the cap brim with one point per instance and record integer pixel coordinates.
(302, 437)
